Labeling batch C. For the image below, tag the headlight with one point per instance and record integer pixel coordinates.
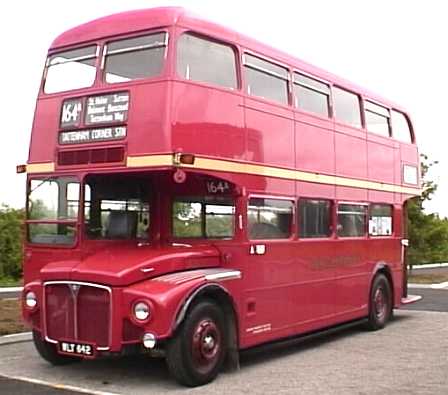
(30, 300)
(141, 311)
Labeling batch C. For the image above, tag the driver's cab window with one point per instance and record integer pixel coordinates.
(116, 208)
(206, 217)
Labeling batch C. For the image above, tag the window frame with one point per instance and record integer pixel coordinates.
(373, 107)
(96, 56)
(360, 107)
(105, 53)
(408, 122)
(293, 225)
(87, 204)
(275, 63)
(212, 39)
(73, 222)
(393, 225)
(328, 94)
(366, 222)
(203, 202)
(331, 216)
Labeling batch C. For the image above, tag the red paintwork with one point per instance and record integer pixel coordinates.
(298, 285)
(118, 265)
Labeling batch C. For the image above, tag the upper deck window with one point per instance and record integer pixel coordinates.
(134, 58)
(72, 69)
(206, 61)
(377, 119)
(400, 127)
(311, 95)
(266, 79)
(346, 107)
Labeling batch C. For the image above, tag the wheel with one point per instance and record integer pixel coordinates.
(196, 353)
(380, 303)
(48, 351)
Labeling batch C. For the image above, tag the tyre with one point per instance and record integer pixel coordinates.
(196, 353)
(48, 351)
(380, 303)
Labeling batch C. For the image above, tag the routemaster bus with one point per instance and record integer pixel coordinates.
(192, 193)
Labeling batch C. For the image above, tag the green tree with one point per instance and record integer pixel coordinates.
(11, 242)
(428, 233)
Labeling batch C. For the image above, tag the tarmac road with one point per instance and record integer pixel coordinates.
(433, 300)
(407, 357)
(17, 387)
(414, 347)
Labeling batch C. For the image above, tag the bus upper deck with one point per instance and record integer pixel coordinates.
(132, 90)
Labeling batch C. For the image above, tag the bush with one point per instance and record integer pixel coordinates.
(11, 242)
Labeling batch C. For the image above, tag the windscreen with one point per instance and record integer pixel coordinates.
(116, 207)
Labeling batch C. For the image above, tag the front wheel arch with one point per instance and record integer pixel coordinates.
(196, 352)
(217, 294)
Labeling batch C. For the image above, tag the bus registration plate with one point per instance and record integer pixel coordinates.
(77, 349)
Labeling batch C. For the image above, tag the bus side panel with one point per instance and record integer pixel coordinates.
(352, 275)
(314, 144)
(147, 119)
(208, 121)
(269, 126)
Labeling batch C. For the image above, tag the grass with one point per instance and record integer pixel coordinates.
(10, 317)
(10, 282)
(427, 278)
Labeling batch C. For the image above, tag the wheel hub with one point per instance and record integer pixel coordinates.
(206, 344)
(380, 303)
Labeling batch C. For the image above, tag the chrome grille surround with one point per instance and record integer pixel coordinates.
(74, 287)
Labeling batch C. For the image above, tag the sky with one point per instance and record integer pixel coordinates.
(394, 48)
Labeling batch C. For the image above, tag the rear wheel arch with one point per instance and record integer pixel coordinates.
(380, 301)
(384, 268)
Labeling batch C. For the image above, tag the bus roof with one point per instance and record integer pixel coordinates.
(144, 19)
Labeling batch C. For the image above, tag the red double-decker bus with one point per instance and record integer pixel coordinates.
(192, 193)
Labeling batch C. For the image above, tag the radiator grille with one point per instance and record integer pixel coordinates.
(79, 312)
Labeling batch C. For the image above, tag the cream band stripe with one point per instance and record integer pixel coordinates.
(247, 168)
(40, 167)
(268, 171)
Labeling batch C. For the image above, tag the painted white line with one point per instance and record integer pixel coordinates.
(15, 338)
(429, 266)
(429, 286)
(59, 386)
(10, 289)
(440, 286)
(16, 335)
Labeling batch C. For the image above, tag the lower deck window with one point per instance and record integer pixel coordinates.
(203, 218)
(270, 218)
(352, 220)
(58, 234)
(380, 220)
(314, 218)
